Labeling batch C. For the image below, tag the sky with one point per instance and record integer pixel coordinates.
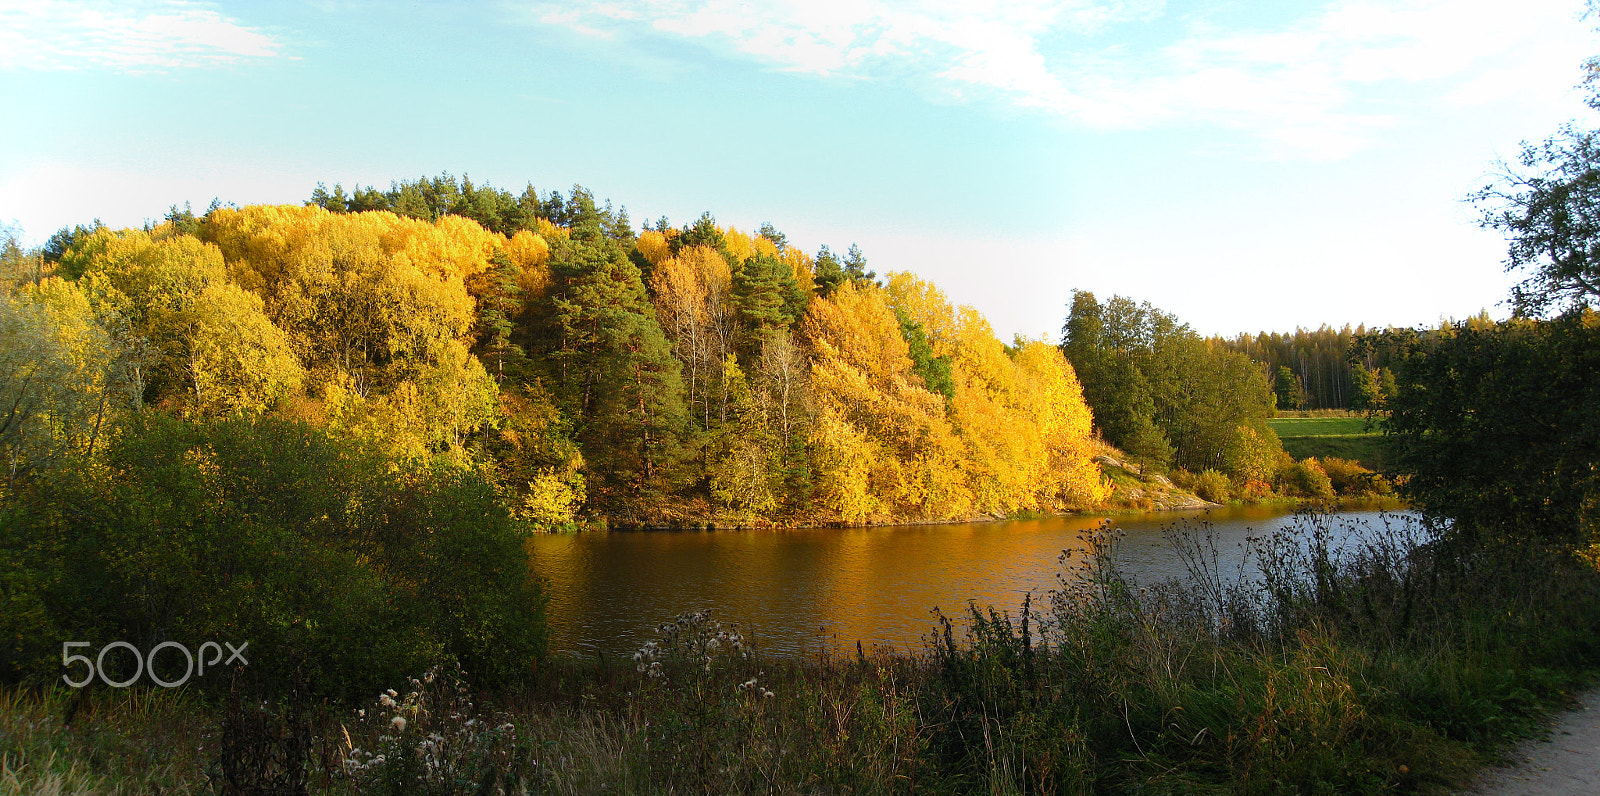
(1247, 166)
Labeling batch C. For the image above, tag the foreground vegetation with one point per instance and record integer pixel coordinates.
(1393, 666)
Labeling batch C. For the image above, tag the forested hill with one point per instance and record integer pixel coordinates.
(671, 375)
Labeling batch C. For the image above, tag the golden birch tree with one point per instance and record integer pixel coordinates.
(204, 332)
(55, 378)
(872, 407)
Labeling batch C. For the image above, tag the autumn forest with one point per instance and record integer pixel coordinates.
(584, 368)
(596, 374)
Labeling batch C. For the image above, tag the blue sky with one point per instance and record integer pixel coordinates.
(1247, 166)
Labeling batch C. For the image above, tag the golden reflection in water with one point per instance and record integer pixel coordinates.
(878, 585)
(883, 583)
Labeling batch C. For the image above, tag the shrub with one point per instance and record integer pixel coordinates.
(341, 568)
(1252, 454)
(1213, 486)
(1306, 478)
(1350, 478)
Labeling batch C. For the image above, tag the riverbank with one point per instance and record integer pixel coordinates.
(1131, 491)
(1389, 672)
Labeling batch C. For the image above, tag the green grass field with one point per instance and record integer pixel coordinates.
(1321, 426)
(1342, 437)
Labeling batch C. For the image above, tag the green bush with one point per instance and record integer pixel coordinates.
(1349, 478)
(1213, 486)
(1306, 478)
(341, 568)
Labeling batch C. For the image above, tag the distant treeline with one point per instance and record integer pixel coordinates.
(1326, 372)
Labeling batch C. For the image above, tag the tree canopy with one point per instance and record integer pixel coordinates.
(596, 372)
(1549, 210)
(1163, 394)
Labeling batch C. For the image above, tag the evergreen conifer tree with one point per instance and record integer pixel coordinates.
(618, 378)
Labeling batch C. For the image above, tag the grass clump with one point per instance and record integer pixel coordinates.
(103, 742)
(1212, 486)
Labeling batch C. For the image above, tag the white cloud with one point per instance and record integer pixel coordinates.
(1319, 86)
(49, 35)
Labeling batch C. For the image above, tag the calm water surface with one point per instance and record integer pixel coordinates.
(796, 591)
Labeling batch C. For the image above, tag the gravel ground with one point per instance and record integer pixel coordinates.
(1567, 761)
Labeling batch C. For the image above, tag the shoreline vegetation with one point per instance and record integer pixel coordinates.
(1395, 666)
(1168, 498)
(1158, 495)
(1338, 504)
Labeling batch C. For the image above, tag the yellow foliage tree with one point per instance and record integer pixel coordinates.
(237, 361)
(926, 304)
(799, 262)
(432, 415)
(540, 467)
(1006, 453)
(844, 458)
(392, 422)
(378, 307)
(366, 298)
(531, 253)
(654, 246)
(693, 297)
(172, 292)
(874, 416)
(1021, 418)
(1254, 457)
(1055, 396)
(744, 247)
(743, 460)
(549, 230)
(783, 386)
(459, 397)
(55, 383)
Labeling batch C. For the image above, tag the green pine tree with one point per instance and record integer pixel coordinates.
(499, 301)
(617, 376)
(764, 293)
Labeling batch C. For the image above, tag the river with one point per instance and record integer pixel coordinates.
(796, 592)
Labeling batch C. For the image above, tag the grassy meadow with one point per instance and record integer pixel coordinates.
(1339, 435)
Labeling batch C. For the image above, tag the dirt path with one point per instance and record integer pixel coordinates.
(1567, 761)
